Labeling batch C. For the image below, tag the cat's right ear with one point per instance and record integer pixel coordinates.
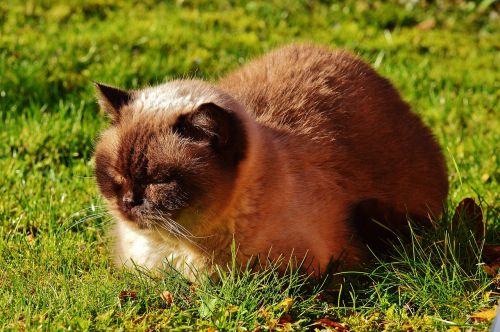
(112, 99)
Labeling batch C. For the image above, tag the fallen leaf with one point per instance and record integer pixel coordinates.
(30, 238)
(453, 329)
(231, 309)
(484, 315)
(285, 318)
(325, 322)
(427, 24)
(491, 254)
(263, 312)
(407, 328)
(286, 304)
(126, 296)
(167, 297)
(192, 289)
(485, 177)
(469, 212)
(492, 271)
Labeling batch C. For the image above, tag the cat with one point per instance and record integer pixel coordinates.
(294, 155)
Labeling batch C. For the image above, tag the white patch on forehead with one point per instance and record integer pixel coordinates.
(157, 100)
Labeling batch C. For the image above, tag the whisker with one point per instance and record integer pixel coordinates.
(87, 218)
(92, 208)
(181, 227)
(174, 228)
(167, 229)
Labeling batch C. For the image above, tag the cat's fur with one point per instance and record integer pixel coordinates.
(291, 155)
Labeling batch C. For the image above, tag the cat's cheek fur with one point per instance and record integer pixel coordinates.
(150, 250)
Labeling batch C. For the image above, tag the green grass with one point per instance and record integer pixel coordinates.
(55, 271)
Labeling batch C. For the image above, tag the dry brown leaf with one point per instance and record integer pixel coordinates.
(285, 318)
(492, 269)
(468, 211)
(320, 297)
(484, 315)
(491, 258)
(167, 297)
(427, 24)
(126, 296)
(30, 238)
(491, 254)
(263, 312)
(325, 322)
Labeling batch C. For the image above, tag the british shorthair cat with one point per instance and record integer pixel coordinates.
(294, 155)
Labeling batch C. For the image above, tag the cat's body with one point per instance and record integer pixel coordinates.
(307, 146)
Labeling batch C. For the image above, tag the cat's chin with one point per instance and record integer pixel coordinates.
(134, 222)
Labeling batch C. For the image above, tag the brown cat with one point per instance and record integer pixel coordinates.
(293, 155)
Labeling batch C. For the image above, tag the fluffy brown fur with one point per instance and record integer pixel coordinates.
(292, 155)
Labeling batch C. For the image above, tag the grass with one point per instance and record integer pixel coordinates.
(55, 271)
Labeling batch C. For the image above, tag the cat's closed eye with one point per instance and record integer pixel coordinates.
(110, 181)
(161, 180)
(162, 177)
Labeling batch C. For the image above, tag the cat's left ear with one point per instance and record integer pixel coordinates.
(220, 127)
(112, 99)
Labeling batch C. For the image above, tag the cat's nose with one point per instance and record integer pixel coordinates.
(129, 201)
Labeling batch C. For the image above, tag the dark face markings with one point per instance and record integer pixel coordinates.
(151, 170)
(150, 184)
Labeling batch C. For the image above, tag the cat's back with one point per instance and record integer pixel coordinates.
(338, 106)
(307, 88)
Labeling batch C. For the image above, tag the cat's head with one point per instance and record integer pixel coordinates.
(172, 153)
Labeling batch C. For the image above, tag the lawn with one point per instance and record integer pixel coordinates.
(55, 267)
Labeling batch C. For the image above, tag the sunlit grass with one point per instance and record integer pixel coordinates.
(55, 270)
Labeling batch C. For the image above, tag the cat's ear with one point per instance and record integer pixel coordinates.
(219, 127)
(112, 99)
